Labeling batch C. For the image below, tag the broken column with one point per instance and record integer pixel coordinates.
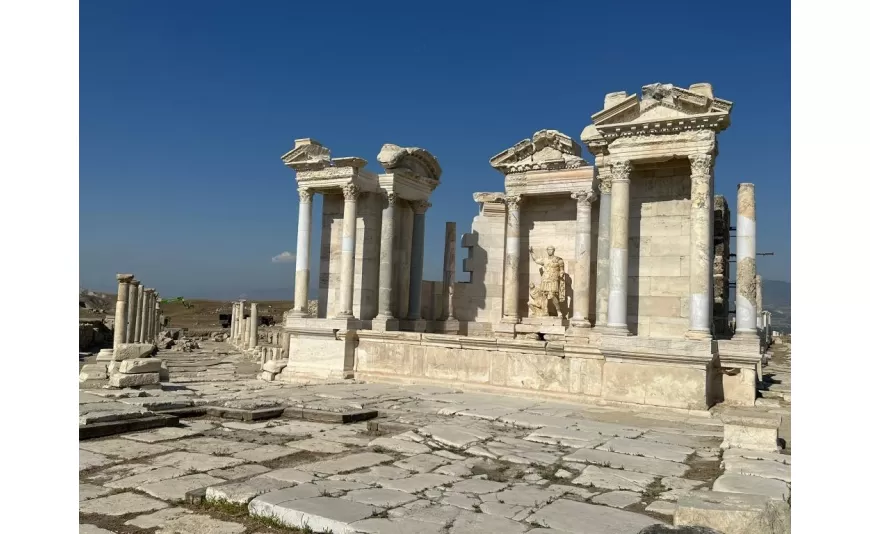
(448, 283)
(582, 256)
(124, 281)
(241, 323)
(721, 262)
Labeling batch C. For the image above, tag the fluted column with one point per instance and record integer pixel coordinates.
(303, 246)
(132, 307)
(701, 237)
(746, 286)
(232, 320)
(417, 238)
(511, 281)
(602, 267)
(348, 250)
(255, 321)
(140, 313)
(617, 299)
(583, 264)
(385, 275)
(121, 309)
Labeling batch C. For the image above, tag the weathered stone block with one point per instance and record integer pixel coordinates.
(129, 351)
(734, 513)
(751, 430)
(119, 380)
(139, 365)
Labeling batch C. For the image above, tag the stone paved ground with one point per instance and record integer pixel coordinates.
(443, 461)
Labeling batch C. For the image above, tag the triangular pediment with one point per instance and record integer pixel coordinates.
(662, 103)
(546, 150)
(307, 155)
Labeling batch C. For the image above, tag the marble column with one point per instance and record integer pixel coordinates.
(140, 314)
(759, 302)
(121, 309)
(303, 247)
(385, 274)
(417, 244)
(511, 281)
(582, 257)
(348, 251)
(132, 309)
(617, 298)
(246, 327)
(448, 280)
(241, 331)
(255, 321)
(701, 251)
(157, 315)
(747, 318)
(602, 267)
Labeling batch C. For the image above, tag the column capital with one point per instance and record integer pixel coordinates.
(420, 206)
(149, 290)
(391, 198)
(621, 170)
(124, 278)
(701, 165)
(513, 201)
(351, 192)
(584, 197)
(605, 182)
(305, 194)
(135, 282)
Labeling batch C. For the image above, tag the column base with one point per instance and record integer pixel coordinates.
(700, 335)
(581, 323)
(413, 325)
(344, 315)
(298, 314)
(447, 326)
(385, 324)
(615, 330)
(505, 329)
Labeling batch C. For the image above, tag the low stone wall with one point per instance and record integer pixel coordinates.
(93, 334)
(540, 368)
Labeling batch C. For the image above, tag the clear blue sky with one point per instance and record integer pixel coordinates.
(186, 108)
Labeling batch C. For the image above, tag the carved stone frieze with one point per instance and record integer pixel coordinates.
(546, 150)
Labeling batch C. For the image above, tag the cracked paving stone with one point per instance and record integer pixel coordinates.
(320, 514)
(162, 434)
(758, 468)
(243, 492)
(123, 448)
(90, 491)
(399, 525)
(472, 523)
(662, 507)
(418, 483)
(400, 446)
(348, 463)
(614, 479)
(453, 436)
(318, 445)
(121, 504)
(380, 497)
(288, 474)
(460, 500)
(529, 496)
(194, 461)
(92, 529)
(157, 518)
(240, 471)
(88, 459)
(647, 449)
(265, 453)
(174, 489)
(617, 499)
(583, 518)
(637, 464)
(422, 463)
(153, 475)
(770, 487)
(477, 486)
(199, 524)
(215, 446)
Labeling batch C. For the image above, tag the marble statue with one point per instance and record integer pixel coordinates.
(552, 285)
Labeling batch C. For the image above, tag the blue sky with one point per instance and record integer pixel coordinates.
(186, 108)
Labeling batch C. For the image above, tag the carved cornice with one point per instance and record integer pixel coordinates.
(701, 165)
(305, 194)
(585, 198)
(124, 278)
(621, 170)
(417, 160)
(420, 206)
(351, 192)
(513, 202)
(547, 150)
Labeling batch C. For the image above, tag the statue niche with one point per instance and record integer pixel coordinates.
(552, 286)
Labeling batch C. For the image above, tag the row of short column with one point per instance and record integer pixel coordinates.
(243, 330)
(137, 312)
(351, 193)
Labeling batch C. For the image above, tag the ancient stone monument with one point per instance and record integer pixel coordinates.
(625, 312)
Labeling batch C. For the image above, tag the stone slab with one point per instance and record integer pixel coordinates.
(162, 434)
(121, 504)
(289, 474)
(130, 351)
(400, 525)
(582, 518)
(662, 507)
(348, 463)
(647, 449)
(153, 475)
(324, 416)
(157, 518)
(422, 463)
(110, 428)
(417, 483)
(399, 445)
(770, 487)
(123, 448)
(243, 492)
(194, 461)
(472, 523)
(174, 489)
(614, 479)
(266, 453)
(617, 499)
(92, 529)
(629, 463)
(91, 491)
(454, 436)
(88, 459)
(199, 524)
(758, 468)
(320, 514)
(243, 414)
(380, 497)
(734, 512)
(240, 471)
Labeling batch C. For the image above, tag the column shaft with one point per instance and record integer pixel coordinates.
(241, 331)
(255, 320)
(385, 275)
(617, 299)
(303, 246)
(511, 281)
(746, 283)
(700, 260)
(348, 251)
(132, 307)
(759, 302)
(602, 272)
(147, 318)
(140, 312)
(232, 320)
(121, 309)
(449, 278)
(417, 237)
(583, 263)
